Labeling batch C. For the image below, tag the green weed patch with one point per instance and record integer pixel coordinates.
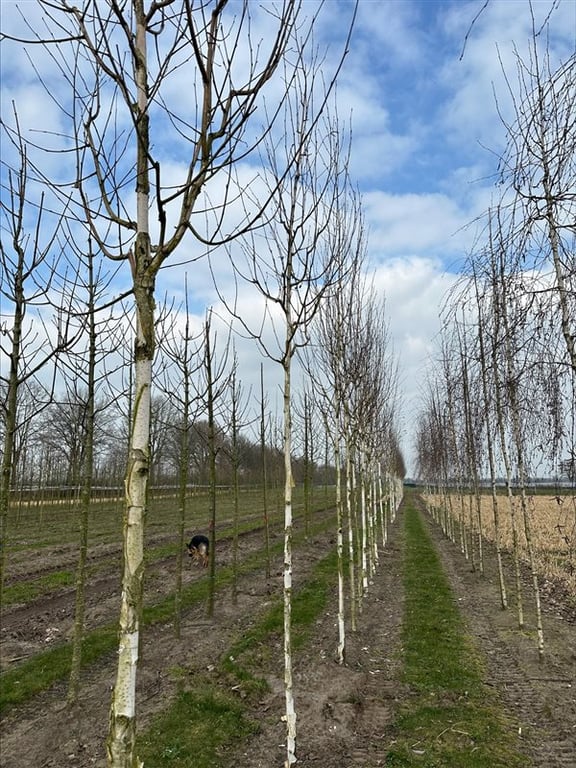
(197, 727)
(27, 591)
(249, 654)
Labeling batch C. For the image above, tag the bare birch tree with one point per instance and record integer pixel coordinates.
(294, 266)
(215, 383)
(514, 372)
(354, 378)
(538, 171)
(121, 62)
(28, 268)
(84, 376)
(487, 398)
(327, 361)
(181, 352)
(264, 475)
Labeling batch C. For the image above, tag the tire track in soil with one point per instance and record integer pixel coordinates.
(552, 742)
(380, 662)
(539, 695)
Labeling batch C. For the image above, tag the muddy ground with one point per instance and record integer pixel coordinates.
(345, 714)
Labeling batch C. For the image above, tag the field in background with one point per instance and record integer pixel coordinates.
(33, 526)
(552, 521)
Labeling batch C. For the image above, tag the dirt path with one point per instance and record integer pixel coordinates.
(345, 714)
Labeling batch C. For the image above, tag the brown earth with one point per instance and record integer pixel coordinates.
(345, 713)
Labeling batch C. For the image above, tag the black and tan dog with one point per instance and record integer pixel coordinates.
(199, 549)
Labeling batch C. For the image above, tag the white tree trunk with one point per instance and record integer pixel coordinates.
(363, 526)
(341, 650)
(288, 685)
(122, 734)
(121, 742)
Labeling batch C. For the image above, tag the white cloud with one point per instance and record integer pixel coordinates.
(411, 223)
(391, 31)
(414, 287)
(477, 80)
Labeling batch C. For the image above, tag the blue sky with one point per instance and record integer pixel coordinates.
(433, 78)
(420, 83)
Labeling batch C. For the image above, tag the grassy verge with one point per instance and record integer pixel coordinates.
(203, 722)
(252, 651)
(452, 720)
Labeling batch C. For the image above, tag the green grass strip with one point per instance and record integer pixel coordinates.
(194, 730)
(27, 591)
(252, 651)
(453, 720)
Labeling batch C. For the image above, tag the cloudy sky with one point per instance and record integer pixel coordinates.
(420, 85)
(423, 79)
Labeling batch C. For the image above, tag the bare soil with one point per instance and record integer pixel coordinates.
(345, 713)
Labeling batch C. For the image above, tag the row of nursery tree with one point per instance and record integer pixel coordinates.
(500, 401)
(187, 134)
(509, 333)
